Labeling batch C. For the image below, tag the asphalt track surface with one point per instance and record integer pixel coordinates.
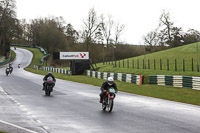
(75, 108)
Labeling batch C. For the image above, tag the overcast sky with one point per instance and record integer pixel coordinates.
(138, 16)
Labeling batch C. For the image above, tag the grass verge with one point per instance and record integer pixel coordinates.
(37, 55)
(184, 95)
(13, 55)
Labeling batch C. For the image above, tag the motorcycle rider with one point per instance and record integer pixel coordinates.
(45, 79)
(7, 71)
(10, 67)
(105, 86)
(10, 64)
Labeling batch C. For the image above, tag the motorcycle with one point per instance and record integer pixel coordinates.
(7, 71)
(49, 86)
(11, 69)
(108, 99)
(19, 65)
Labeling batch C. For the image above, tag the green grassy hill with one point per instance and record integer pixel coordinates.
(157, 63)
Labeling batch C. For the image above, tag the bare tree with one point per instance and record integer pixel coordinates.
(166, 32)
(118, 30)
(91, 25)
(107, 27)
(151, 39)
(99, 36)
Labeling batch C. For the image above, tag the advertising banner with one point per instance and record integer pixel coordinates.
(74, 55)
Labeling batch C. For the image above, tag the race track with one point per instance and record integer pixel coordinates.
(75, 107)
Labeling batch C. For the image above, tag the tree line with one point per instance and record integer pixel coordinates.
(9, 25)
(100, 34)
(54, 34)
(166, 34)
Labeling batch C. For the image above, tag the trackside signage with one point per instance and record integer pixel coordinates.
(74, 55)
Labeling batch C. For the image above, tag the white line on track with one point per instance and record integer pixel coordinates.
(28, 113)
(45, 127)
(25, 129)
(1, 90)
(24, 109)
(33, 116)
(38, 121)
(21, 106)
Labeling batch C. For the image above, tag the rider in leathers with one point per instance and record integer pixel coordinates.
(45, 79)
(105, 86)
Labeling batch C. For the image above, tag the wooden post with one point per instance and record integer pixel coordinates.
(160, 64)
(148, 64)
(183, 65)
(133, 63)
(143, 63)
(128, 63)
(167, 64)
(123, 63)
(154, 64)
(192, 65)
(175, 65)
(138, 65)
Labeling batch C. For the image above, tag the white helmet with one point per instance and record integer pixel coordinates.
(110, 80)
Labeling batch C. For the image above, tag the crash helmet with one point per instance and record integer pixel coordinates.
(49, 73)
(110, 80)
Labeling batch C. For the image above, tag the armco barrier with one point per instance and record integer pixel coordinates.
(137, 79)
(57, 70)
(176, 81)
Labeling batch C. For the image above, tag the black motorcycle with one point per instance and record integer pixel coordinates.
(7, 71)
(11, 69)
(108, 99)
(49, 86)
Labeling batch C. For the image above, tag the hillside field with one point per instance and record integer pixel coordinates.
(174, 61)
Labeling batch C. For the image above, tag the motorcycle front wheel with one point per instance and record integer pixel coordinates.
(47, 91)
(103, 106)
(110, 105)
